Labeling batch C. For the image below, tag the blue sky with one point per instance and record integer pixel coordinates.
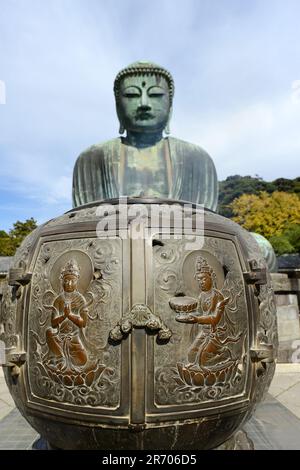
(236, 66)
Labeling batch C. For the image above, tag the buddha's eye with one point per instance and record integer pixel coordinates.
(131, 92)
(156, 91)
(131, 95)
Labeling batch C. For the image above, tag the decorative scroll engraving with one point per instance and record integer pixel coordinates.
(73, 304)
(140, 316)
(267, 333)
(11, 296)
(267, 337)
(21, 257)
(206, 361)
(8, 315)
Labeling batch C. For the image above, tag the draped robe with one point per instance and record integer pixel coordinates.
(192, 176)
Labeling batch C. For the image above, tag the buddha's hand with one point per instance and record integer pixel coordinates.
(67, 309)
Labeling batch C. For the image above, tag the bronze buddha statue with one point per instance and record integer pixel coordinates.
(147, 343)
(145, 163)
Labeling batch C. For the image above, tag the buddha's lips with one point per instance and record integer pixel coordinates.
(144, 116)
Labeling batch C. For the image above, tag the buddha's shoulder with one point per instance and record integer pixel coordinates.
(99, 150)
(188, 148)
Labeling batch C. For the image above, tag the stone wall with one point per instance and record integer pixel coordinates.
(2, 282)
(287, 293)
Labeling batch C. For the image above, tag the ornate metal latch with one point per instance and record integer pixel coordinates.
(257, 275)
(140, 316)
(263, 354)
(18, 277)
(15, 360)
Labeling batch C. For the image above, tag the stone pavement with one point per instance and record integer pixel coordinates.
(286, 387)
(6, 402)
(15, 432)
(275, 425)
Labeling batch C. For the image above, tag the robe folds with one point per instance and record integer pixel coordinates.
(193, 175)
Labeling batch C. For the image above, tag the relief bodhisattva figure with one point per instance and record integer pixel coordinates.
(69, 318)
(210, 359)
(68, 360)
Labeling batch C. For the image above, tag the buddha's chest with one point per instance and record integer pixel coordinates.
(145, 172)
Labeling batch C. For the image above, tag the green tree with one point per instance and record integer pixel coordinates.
(287, 185)
(9, 242)
(20, 230)
(281, 245)
(234, 186)
(292, 234)
(6, 244)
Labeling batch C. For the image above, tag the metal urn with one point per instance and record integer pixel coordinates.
(124, 332)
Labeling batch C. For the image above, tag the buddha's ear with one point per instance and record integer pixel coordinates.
(119, 114)
(121, 129)
(167, 128)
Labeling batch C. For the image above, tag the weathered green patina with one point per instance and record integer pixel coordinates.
(145, 162)
(267, 251)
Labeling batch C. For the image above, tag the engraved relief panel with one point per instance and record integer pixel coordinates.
(11, 301)
(201, 296)
(267, 333)
(8, 315)
(76, 297)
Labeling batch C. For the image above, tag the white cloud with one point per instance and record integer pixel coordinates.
(236, 79)
(260, 138)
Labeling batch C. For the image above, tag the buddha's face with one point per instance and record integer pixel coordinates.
(144, 103)
(70, 283)
(205, 281)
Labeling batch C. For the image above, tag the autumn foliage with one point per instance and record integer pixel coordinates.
(267, 214)
(276, 216)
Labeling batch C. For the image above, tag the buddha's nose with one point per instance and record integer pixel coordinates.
(144, 103)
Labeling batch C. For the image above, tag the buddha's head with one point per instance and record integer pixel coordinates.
(144, 93)
(205, 281)
(204, 274)
(69, 276)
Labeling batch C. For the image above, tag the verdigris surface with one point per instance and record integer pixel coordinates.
(119, 342)
(145, 163)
